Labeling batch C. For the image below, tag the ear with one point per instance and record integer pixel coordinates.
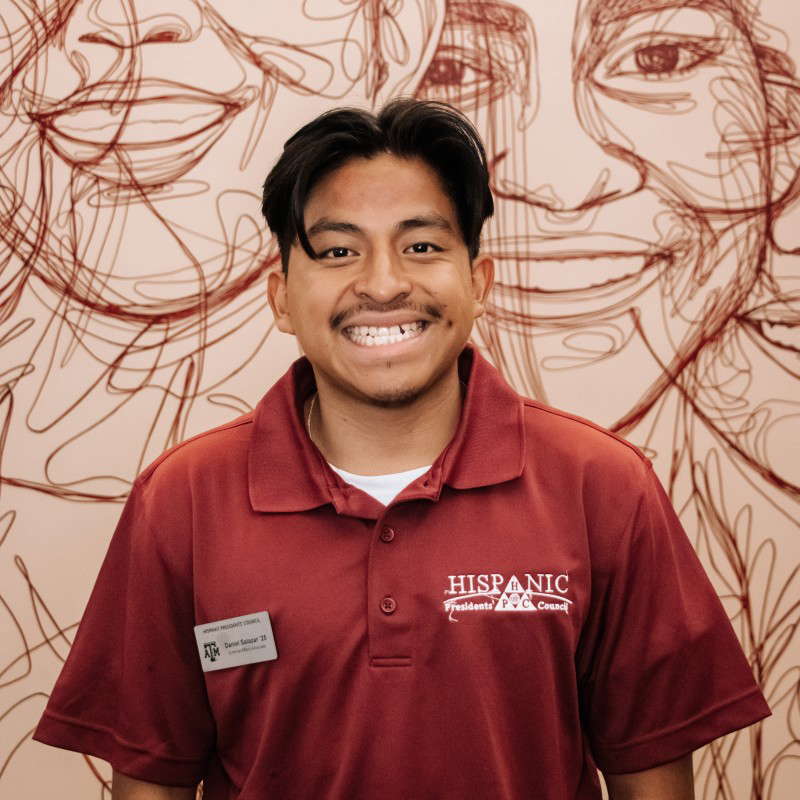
(277, 294)
(482, 282)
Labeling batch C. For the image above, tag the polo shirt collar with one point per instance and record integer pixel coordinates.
(286, 471)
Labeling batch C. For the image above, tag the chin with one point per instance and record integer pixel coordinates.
(395, 398)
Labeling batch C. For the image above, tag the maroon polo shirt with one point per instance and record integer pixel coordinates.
(526, 609)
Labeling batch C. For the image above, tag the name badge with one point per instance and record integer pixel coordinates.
(235, 641)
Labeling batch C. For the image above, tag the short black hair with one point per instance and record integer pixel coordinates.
(434, 132)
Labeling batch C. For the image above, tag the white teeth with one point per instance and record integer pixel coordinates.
(372, 336)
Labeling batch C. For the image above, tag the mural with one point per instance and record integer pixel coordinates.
(644, 154)
(645, 160)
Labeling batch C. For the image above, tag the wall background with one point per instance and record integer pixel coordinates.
(645, 160)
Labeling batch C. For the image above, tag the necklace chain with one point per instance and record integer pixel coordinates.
(310, 412)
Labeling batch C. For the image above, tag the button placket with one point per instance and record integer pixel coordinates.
(390, 621)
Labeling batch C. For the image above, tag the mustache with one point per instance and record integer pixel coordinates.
(429, 310)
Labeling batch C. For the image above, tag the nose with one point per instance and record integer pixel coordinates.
(556, 157)
(383, 278)
(559, 167)
(124, 24)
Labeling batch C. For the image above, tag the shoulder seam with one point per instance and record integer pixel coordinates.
(534, 404)
(145, 474)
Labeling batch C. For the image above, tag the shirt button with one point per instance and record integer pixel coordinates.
(387, 534)
(388, 605)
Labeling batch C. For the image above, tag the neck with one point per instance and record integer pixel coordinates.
(366, 439)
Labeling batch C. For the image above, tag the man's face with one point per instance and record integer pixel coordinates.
(387, 305)
(627, 144)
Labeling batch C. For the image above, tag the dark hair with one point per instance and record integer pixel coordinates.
(435, 132)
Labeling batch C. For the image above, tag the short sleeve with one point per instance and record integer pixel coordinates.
(132, 689)
(661, 671)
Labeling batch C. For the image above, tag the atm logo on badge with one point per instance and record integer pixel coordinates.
(543, 591)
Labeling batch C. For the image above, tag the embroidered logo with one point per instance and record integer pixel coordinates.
(542, 591)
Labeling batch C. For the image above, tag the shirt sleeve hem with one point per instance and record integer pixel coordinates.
(136, 762)
(668, 745)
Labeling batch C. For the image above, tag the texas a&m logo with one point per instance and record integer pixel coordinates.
(541, 591)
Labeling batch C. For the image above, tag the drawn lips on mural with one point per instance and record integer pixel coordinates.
(143, 138)
(590, 272)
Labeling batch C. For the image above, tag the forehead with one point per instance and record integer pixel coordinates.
(376, 186)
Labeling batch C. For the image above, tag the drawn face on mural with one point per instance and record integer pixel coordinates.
(157, 117)
(635, 155)
(134, 136)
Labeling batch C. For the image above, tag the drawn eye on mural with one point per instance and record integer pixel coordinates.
(641, 154)
(661, 58)
(476, 65)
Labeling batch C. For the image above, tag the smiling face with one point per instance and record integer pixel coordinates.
(631, 170)
(387, 305)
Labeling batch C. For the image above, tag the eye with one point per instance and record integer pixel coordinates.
(446, 72)
(661, 60)
(464, 76)
(423, 248)
(336, 252)
(484, 54)
(658, 58)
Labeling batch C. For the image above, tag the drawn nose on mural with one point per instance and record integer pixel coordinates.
(133, 23)
(141, 113)
(553, 153)
(561, 167)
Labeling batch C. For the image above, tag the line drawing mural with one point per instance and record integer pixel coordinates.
(645, 160)
(642, 154)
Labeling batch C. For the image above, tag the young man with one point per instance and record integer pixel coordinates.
(470, 594)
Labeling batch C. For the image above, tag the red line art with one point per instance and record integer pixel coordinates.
(644, 159)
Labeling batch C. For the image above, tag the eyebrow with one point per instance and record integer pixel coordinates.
(432, 220)
(326, 225)
(498, 16)
(603, 12)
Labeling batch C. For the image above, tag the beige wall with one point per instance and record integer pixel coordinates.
(645, 166)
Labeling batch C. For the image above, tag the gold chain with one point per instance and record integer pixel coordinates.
(310, 412)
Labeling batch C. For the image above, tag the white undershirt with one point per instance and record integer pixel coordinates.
(384, 488)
